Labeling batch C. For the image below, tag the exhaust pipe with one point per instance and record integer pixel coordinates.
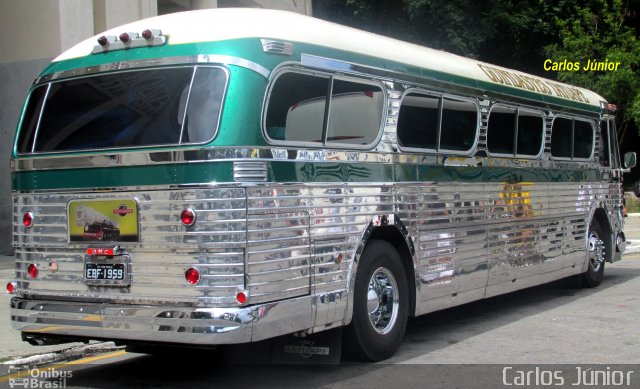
(39, 340)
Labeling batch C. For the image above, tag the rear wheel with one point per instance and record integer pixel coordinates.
(380, 305)
(597, 249)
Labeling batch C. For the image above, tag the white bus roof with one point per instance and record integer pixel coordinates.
(235, 23)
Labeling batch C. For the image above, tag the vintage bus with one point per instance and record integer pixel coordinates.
(271, 173)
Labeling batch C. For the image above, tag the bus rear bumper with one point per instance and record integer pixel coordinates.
(159, 323)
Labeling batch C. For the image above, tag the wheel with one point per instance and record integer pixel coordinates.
(597, 249)
(380, 305)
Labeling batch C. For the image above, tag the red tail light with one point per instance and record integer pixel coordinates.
(32, 270)
(241, 297)
(188, 217)
(11, 287)
(192, 276)
(27, 219)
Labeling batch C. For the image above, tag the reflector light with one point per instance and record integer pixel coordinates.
(11, 287)
(192, 276)
(124, 37)
(188, 217)
(147, 34)
(32, 269)
(27, 219)
(241, 297)
(109, 252)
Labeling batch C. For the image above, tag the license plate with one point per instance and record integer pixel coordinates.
(105, 273)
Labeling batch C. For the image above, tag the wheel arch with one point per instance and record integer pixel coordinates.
(391, 229)
(600, 216)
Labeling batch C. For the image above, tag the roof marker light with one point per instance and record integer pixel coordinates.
(105, 40)
(127, 37)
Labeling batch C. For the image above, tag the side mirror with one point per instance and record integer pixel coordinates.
(630, 159)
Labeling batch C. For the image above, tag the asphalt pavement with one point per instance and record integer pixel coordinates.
(12, 347)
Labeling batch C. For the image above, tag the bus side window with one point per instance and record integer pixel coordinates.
(604, 144)
(418, 121)
(530, 133)
(205, 101)
(459, 125)
(501, 131)
(582, 139)
(561, 137)
(296, 107)
(30, 121)
(356, 113)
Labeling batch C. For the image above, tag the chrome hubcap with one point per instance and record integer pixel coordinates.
(596, 251)
(382, 300)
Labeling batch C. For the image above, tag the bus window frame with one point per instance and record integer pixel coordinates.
(324, 144)
(441, 97)
(573, 120)
(516, 129)
(194, 68)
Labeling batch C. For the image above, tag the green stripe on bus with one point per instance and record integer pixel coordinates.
(285, 172)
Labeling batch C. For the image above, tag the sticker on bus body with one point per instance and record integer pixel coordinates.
(112, 220)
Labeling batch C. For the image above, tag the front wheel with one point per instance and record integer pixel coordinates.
(380, 305)
(597, 249)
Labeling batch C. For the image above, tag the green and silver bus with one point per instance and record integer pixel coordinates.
(233, 175)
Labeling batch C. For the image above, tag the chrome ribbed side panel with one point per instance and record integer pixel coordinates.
(215, 245)
(283, 241)
(278, 256)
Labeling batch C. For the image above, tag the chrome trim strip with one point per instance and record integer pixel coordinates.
(178, 60)
(271, 46)
(260, 154)
(161, 323)
(247, 171)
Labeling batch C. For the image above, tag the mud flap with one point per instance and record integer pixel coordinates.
(320, 348)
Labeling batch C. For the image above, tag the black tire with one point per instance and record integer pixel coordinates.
(597, 249)
(364, 340)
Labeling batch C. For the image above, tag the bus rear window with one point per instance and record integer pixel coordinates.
(126, 109)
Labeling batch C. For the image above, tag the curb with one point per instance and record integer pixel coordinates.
(65, 354)
(633, 246)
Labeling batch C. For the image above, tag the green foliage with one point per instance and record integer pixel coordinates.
(601, 30)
